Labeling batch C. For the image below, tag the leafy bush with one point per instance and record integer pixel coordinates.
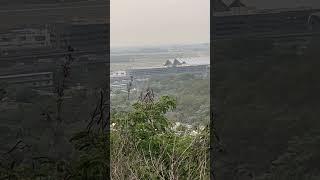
(144, 146)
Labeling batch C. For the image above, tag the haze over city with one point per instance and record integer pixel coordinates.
(153, 22)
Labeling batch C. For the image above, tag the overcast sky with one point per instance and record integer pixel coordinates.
(159, 22)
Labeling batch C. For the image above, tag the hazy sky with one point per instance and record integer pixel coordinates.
(159, 22)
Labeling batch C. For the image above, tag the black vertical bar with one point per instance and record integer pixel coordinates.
(212, 137)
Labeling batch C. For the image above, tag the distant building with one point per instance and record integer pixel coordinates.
(176, 63)
(169, 69)
(118, 74)
(168, 63)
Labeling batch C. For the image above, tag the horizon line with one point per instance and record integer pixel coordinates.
(155, 45)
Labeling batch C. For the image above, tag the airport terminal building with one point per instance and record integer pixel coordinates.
(170, 68)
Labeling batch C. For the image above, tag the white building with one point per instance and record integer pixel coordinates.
(118, 74)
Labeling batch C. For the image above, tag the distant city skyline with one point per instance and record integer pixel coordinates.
(159, 22)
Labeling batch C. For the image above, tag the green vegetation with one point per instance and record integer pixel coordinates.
(143, 146)
(65, 135)
(191, 93)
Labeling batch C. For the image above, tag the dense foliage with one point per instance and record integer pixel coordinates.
(191, 93)
(143, 146)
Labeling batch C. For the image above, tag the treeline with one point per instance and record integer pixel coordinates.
(191, 92)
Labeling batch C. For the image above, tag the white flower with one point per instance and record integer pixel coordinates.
(194, 133)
